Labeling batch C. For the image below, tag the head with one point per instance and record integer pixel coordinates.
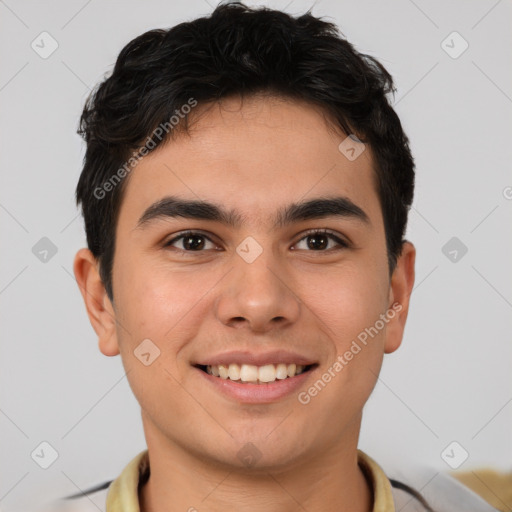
(244, 116)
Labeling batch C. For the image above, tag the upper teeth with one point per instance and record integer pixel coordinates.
(251, 373)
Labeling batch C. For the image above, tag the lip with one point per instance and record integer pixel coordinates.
(257, 393)
(253, 358)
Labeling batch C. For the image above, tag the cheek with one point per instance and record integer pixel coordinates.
(161, 305)
(347, 302)
(348, 309)
(156, 313)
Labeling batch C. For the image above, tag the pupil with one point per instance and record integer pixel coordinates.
(189, 244)
(314, 239)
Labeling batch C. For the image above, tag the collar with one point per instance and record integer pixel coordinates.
(123, 492)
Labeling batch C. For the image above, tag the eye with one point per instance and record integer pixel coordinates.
(191, 241)
(318, 240)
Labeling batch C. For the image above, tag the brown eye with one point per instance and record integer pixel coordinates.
(319, 240)
(191, 242)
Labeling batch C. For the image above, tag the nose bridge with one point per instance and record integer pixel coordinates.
(255, 292)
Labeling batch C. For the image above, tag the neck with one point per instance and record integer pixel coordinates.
(180, 481)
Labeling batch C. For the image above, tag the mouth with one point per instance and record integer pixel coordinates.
(251, 384)
(252, 374)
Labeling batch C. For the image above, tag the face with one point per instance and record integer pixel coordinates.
(254, 287)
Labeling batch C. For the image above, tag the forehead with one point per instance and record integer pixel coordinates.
(253, 156)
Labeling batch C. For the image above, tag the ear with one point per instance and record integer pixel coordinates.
(99, 307)
(402, 282)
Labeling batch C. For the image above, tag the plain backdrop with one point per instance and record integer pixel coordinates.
(451, 378)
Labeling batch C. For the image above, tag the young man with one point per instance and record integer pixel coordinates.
(245, 192)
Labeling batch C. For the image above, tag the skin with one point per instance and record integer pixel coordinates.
(253, 157)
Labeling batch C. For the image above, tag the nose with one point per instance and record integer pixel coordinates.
(258, 296)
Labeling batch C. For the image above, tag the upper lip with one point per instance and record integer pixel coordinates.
(254, 358)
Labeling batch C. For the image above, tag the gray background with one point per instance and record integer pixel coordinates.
(449, 381)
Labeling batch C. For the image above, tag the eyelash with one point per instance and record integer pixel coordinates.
(342, 244)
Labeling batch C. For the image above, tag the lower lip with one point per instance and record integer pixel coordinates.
(258, 393)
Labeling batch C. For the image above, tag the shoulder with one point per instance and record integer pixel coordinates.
(118, 494)
(420, 490)
(93, 499)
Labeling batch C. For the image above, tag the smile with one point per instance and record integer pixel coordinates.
(257, 377)
(256, 384)
(249, 373)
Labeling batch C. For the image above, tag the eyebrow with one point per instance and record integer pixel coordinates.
(175, 207)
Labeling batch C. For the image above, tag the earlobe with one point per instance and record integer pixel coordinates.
(97, 303)
(402, 282)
